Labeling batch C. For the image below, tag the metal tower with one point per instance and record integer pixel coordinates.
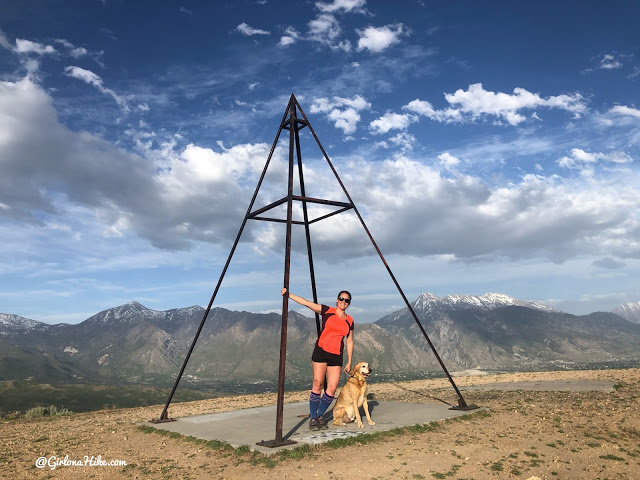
(293, 123)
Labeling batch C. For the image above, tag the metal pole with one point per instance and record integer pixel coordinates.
(164, 414)
(306, 229)
(462, 404)
(285, 298)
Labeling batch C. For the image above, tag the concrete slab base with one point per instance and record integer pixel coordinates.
(252, 425)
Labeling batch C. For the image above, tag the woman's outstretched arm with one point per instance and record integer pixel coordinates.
(303, 301)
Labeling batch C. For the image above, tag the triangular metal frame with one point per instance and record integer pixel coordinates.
(290, 121)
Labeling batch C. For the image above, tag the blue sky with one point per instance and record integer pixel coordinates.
(490, 146)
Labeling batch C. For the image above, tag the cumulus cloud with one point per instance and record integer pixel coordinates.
(624, 110)
(169, 197)
(579, 159)
(536, 216)
(448, 160)
(27, 46)
(608, 61)
(345, 5)
(404, 140)
(173, 197)
(91, 78)
(245, 29)
(291, 36)
(425, 109)
(325, 29)
(377, 39)
(391, 121)
(344, 112)
(470, 219)
(477, 103)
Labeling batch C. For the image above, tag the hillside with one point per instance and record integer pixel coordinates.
(134, 344)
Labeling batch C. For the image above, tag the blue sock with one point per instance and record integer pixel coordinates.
(325, 401)
(314, 403)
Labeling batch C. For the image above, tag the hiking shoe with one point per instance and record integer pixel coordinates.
(322, 425)
(313, 424)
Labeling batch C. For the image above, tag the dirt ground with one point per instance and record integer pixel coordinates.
(565, 425)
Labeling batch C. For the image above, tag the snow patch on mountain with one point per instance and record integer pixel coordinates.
(127, 313)
(16, 323)
(629, 311)
(489, 301)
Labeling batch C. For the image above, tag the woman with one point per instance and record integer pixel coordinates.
(327, 355)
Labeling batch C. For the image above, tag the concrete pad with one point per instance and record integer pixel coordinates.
(252, 425)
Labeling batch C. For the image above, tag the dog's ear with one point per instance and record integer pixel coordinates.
(353, 371)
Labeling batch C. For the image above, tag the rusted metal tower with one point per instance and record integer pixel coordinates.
(292, 122)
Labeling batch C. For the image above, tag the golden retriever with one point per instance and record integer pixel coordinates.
(352, 396)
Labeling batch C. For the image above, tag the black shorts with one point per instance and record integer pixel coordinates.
(322, 356)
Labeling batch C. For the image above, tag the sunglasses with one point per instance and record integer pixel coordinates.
(342, 299)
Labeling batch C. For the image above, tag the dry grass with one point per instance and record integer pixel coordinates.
(548, 434)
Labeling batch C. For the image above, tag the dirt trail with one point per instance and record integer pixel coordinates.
(575, 433)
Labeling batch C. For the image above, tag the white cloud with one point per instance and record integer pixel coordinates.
(78, 52)
(91, 78)
(326, 30)
(342, 111)
(448, 160)
(245, 29)
(175, 197)
(252, 86)
(635, 73)
(27, 46)
(537, 216)
(286, 41)
(171, 198)
(477, 101)
(377, 39)
(186, 10)
(478, 221)
(346, 5)
(579, 159)
(4, 41)
(609, 62)
(290, 37)
(425, 109)
(404, 140)
(391, 121)
(624, 110)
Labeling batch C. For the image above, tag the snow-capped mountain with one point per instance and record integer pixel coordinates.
(127, 313)
(428, 302)
(628, 311)
(14, 323)
(132, 343)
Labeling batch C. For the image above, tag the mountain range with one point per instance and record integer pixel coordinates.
(134, 344)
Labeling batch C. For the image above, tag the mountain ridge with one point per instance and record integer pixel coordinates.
(133, 344)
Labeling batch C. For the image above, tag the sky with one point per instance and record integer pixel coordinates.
(489, 146)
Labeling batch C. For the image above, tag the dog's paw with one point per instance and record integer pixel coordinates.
(371, 422)
(360, 425)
